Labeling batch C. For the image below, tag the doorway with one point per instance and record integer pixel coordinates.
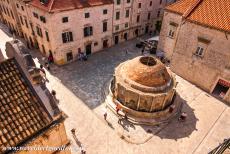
(105, 44)
(126, 36)
(116, 38)
(146, 29)
(136, 32)
(88, 49)
(221, 88)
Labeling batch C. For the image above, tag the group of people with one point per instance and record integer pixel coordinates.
(81, 55)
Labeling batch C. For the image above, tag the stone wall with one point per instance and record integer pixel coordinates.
(206, 70)
(54, 137)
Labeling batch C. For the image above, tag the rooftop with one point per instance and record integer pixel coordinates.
(211, 13)
(22, 113)
(60, 5)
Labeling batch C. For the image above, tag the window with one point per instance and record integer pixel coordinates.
(88, 31)
(117, 15)
(117, 27)
(26, 23)
(158, 13)
(39, 31)
(199, 51)
(139, 5)
(138, 18)
(128, 1)
(104, 26)
(118, 2)
(171, 33)
(17, 5)
(43, 19)
(105, 11)
(87, 15)
(96, 44)
(127, 13)
(160, 1)
(151, 3)
(21, 20)
(67, 37)
(47, 36)
(69, 56)
(35, 15)
(65, 19)
(126, 25)
(149, 15)
(22, 8)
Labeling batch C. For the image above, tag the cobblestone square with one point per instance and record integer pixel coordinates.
(80, 85)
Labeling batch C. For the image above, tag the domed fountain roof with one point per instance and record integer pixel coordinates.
(147, 71)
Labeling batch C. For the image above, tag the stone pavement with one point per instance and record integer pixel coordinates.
(79, 88)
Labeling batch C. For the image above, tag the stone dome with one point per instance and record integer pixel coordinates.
(146, 71)
(144, 84)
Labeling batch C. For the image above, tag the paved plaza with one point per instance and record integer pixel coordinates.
(80, 90)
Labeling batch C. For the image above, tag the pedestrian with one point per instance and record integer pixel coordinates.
(82, 150)
(42, 70)
(126, 51)
(105, 115)
(118, 108)
(119, 119)
(183, 116)
(47, 65)
(143, 50)
(73, 131)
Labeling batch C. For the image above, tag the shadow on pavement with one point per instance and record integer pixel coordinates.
(180, 129)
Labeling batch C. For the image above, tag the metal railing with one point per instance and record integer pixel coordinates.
(221, 148)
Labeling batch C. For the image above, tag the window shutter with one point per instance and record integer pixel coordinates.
(64, 40)
(70, 36)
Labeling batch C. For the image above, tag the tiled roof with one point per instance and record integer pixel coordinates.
(21, 112)
(212, 13)
(62, 5)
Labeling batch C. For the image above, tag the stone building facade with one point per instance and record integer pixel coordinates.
(198, 48)
(62, 29)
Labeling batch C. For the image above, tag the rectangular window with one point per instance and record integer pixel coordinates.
(87, 15)
(149, 15)
(39, 31)
(126, 25)
(117, 15)
(21, 20)
(67, 37)
(26, 23)
(160, 1)
(158, 13)
(104, 26)
(43, 19)
(139, 5)
(151, 3)
(138, 18)
(117, 27)
(65, 19)
(127, 13)
(47, 36)
(88, 31)
(105, 11)
(118, 2)
(199, 51)
(35, 15)
(128, 1)
(22, 8)
(69, 56)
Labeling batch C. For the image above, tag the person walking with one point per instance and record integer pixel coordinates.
(143, 50)
(105, 115)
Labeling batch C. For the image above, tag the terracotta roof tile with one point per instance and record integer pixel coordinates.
(62, 5)
(212, 13)
(21, 112)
